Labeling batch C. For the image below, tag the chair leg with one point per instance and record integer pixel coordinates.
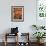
(17, 40)
(5, 43)
(5, 40)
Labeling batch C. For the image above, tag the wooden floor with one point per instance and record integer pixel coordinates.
(13, 44)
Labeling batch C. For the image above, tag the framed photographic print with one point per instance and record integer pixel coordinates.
(17, 13)
(41, 12)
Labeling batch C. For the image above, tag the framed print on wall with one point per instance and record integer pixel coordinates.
(41, 8)
(41, 12)
(17, 13)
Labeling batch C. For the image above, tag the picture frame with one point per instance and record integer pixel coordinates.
(17, 13)
(40, 12)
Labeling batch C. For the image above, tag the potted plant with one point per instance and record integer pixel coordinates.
(42, 27)
(39, 35)
(35, 26)
(38, 27)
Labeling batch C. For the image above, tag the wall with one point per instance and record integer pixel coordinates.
(29, 15)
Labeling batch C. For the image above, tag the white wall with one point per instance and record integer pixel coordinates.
(29, 15)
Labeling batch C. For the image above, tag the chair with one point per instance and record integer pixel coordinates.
(14, 32)
(26, 41)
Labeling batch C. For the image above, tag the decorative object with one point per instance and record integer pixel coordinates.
(17, 13)
(23, 44)
(14, 30)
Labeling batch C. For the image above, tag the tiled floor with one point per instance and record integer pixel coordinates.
(13, 44)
